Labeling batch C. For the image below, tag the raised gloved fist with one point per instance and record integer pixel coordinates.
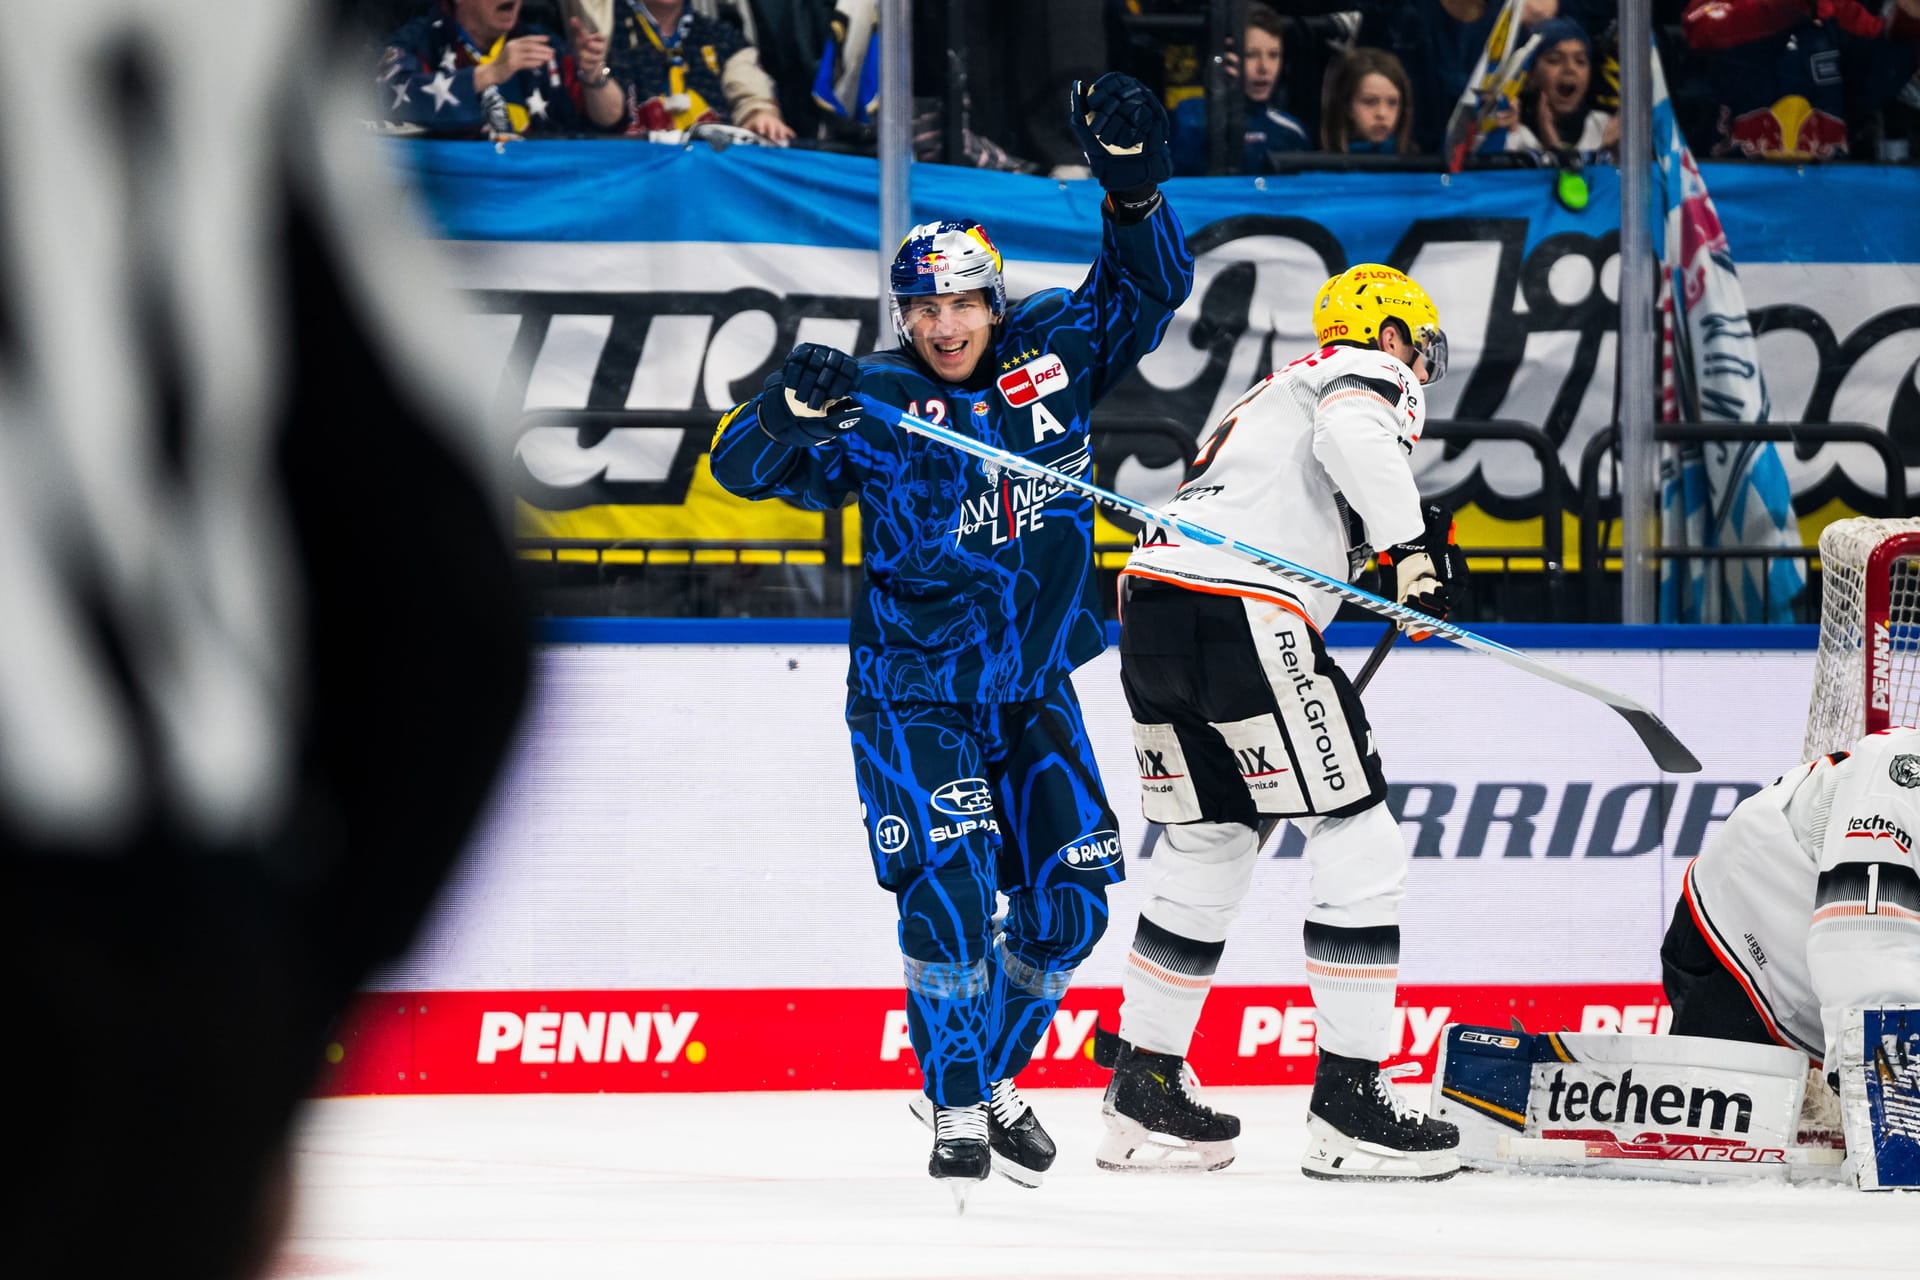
(1123, 129)
(1429, 572)
(805, 401)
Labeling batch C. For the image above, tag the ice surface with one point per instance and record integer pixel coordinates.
(698, 1186)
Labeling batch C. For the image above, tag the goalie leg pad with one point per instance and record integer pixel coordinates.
(1683, 1108)
(1880, 1096)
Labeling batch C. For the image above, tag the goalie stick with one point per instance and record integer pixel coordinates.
(1667, 750)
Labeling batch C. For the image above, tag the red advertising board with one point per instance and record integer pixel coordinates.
(724, 1040)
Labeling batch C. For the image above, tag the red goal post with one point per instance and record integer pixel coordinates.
(1867, 670)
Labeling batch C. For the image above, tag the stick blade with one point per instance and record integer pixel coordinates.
(1668, 751)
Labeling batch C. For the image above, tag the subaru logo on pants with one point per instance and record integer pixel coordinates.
(964, 796)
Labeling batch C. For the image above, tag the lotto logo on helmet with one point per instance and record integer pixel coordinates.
(1028, 383)
(964, 797)
(1101, 849)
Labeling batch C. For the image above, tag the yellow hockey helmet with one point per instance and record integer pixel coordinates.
(1352, 306)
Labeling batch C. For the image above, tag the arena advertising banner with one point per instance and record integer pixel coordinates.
(675, 278)
(673, 890)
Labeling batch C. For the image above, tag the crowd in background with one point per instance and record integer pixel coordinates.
(1369, 81)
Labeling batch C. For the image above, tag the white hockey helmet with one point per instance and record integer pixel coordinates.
(946, 257)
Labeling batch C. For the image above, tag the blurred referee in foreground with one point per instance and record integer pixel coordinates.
(260, 648)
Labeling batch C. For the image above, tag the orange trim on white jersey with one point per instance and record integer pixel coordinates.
(1249, 593)
(1884, 909)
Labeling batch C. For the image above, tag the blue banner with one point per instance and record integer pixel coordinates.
(627, 275)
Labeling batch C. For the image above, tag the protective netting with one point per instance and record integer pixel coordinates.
(1867, 673)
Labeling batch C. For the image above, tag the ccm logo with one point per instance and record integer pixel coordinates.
(1029, 382)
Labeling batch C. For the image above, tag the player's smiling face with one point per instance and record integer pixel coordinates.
(950, 331)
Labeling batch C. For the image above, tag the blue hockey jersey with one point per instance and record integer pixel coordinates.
(979, 583)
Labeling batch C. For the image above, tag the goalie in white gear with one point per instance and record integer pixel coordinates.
(1805, 903)
(1241, 718)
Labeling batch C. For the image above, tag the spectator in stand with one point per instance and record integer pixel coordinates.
(1556, 112)
(472, 69)
(1268, 130)
(1787, 73)
(1438, 42)
(1368, 109)
(684, 69)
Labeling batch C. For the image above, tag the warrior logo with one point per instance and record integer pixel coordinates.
(892, 834)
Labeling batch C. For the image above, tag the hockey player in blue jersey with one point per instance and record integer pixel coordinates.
(970, 754)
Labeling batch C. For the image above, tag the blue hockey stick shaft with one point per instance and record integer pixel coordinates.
(1667, 750)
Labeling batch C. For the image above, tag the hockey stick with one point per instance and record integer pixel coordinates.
(1667, 750)
(1374, 659)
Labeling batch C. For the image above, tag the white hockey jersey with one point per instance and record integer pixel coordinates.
(1326, 438)
(1809, 894)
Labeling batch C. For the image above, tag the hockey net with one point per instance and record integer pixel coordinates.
(1867, 673)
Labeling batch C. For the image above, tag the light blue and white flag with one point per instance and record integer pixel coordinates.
(1718, 494)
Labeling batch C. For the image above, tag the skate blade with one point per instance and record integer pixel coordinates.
(1332, 1156)
(1131, 1147)
(959, 1187)
(1012, 1170)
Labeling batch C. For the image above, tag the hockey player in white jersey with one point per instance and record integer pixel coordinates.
(1241, 718)
(1805, 903)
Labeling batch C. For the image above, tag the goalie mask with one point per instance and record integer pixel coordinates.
(946, 257)
(1353, 305)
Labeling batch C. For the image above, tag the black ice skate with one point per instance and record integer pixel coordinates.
(1359, 1127)
(960, 1157)
(1022, 1150)
(1154, 1123)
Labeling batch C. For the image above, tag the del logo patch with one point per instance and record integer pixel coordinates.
(1029, 382)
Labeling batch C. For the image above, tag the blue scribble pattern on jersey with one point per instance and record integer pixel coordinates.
(958, 799)
(979, 585)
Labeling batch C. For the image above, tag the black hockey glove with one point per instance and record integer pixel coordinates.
(804, 402)
(1430, 572)
(1124, 131)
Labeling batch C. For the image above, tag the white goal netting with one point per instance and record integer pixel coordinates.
(1867, 673)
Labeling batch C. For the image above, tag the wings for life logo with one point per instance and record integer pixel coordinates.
(1030, 381)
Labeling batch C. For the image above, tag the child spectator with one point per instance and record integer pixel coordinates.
(472, 69)
(1268, 130)
(683, 69)
(1369, 107)
(1438, 42)
(1556, 109)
